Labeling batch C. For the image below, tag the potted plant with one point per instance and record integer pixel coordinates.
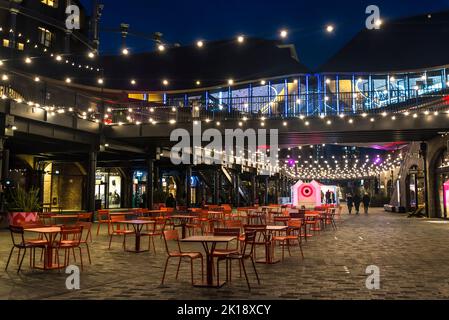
(23, 206)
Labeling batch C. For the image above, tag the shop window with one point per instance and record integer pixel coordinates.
(45, 37)
(20, 46)
(50, 3)
(6, 43)
(108, 185)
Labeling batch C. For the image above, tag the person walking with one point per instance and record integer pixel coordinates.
(366, 202)
(170, 202)
(357, 202)
(350, 202)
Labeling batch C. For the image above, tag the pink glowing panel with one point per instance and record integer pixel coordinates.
(306, 194)
(446, 194)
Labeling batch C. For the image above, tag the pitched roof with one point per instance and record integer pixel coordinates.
(406, 44)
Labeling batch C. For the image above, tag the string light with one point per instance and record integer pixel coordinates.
(284, 34)
(241, 39)
(330, 28)
(28, 60)
(199, 43)
(125, 51)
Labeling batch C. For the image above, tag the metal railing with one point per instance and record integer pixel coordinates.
(282, 107)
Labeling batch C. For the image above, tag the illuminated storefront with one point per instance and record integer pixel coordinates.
(139, 189)
(108, 188)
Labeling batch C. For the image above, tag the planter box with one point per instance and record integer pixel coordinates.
(19, 218)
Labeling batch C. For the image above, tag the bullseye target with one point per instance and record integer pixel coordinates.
(306, 191)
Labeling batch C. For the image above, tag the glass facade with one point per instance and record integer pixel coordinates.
(314, 94)
(108, 188)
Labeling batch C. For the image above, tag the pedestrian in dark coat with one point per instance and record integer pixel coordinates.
(366, 202)
(357, 202)
(350, 202)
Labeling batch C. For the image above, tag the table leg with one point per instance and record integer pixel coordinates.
(137, 230)
(183, 228)
(209, 268)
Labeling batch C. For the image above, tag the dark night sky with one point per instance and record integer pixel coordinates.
(186, 21)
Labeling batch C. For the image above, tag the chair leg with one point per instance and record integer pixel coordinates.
(21, 261)
(255, 270)
(288, 248)
(110, 241)
(165, 270)
(88, 253)
(98, 228)
(244, 271)
(81, 259)
(179, 267)
(9, 258)
(154, 246)
(191, 271)
(218, 272)
(202, 269)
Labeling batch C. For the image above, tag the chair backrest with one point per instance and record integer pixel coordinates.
(87, 217)
(230, 224)
(73, 233)
(171, 235)
(250, 241)
(87, 227)
(228, 232)
(295, 223)
(226, 208)
(116, 218)
(159, 225)
(260, 230)
(224, 232)
(103, 215)
(17, 235)
(115, 222)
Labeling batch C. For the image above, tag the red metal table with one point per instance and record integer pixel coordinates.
(209, 243)
(137, 226)
(50, 234)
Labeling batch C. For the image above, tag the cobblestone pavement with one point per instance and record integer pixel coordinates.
(412, 254)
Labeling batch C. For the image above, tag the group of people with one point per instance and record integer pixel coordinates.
(355, 202)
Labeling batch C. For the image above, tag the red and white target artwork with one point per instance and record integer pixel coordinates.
(306, 194)
(306, 191)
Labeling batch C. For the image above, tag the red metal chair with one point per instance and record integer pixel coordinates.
(103, 218)
(69, 239)
(19, 242)
(246, 252)
(117, 229)
(155, 230)
(293, 234)
(86, 234)
(172, 235)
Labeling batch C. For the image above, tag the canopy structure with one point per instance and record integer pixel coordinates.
(306, 194)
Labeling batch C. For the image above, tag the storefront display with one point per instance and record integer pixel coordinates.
(108, 188)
